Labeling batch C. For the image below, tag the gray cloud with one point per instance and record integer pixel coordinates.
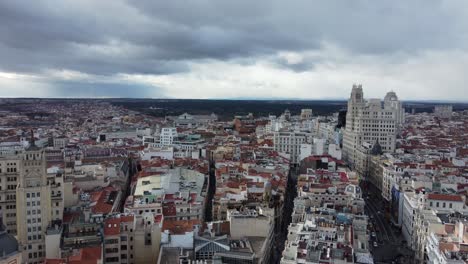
(107, 38)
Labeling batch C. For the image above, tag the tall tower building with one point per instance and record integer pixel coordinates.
(367, 121)
(33, 204)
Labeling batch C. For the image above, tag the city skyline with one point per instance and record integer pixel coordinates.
(217, 50)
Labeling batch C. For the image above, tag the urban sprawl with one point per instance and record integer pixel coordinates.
(92, 182)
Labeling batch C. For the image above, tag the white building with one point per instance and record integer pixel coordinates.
(445, 203)
(426, 222)
(290, 142)
(167, 135)
(367, 121)
(411, 203)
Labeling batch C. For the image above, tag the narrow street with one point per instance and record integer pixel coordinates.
(390, 246)
(210, 193)
(288, 207)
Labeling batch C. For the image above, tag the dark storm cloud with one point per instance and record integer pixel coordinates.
(162, 37)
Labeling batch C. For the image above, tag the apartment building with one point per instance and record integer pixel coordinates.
(131, 239)
(9, 174)
(290, 142)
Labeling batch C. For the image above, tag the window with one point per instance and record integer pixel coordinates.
(112, 241)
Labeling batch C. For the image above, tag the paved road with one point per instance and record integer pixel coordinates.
(390, 247)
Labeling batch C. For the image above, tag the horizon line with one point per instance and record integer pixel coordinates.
(227, 99)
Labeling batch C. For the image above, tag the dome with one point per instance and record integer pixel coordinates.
(391, 96)
(8, 243)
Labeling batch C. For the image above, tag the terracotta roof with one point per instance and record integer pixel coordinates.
(169, 209)
(444, 197)
(89, 255)
(179, 227)
(112, 226)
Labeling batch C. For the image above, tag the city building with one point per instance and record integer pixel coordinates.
(306, 114)
(10, 160)
(33, 204)
(368, 122)
(289, 142)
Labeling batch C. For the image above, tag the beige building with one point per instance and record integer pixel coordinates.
(9, 174)
(306, 114)
(33, 204)
(131, 239)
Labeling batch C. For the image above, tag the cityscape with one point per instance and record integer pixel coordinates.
(95, 182)
(233, 132)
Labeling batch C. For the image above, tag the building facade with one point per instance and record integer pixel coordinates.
(9, 174)
(290, 142)
(367, 121)
(33, 204)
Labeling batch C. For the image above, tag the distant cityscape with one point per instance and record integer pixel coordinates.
(223, 181)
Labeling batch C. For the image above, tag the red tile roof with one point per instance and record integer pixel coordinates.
(112, 227)
(444, 197)
(179, 227)
(89, 255)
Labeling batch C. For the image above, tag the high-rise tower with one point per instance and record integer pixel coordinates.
(33, 203)
(367, 121)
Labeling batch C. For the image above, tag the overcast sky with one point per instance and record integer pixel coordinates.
(234, 49)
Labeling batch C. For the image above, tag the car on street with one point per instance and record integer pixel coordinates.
(373, 234)
(375, 244)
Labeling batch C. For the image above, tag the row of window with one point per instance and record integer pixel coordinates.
(35, 237)
(33, 212)
(443, 204)
(9, 206)
(34, 229)
(33, 195)
(33, 203)
(34, 220)
(10, 170)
